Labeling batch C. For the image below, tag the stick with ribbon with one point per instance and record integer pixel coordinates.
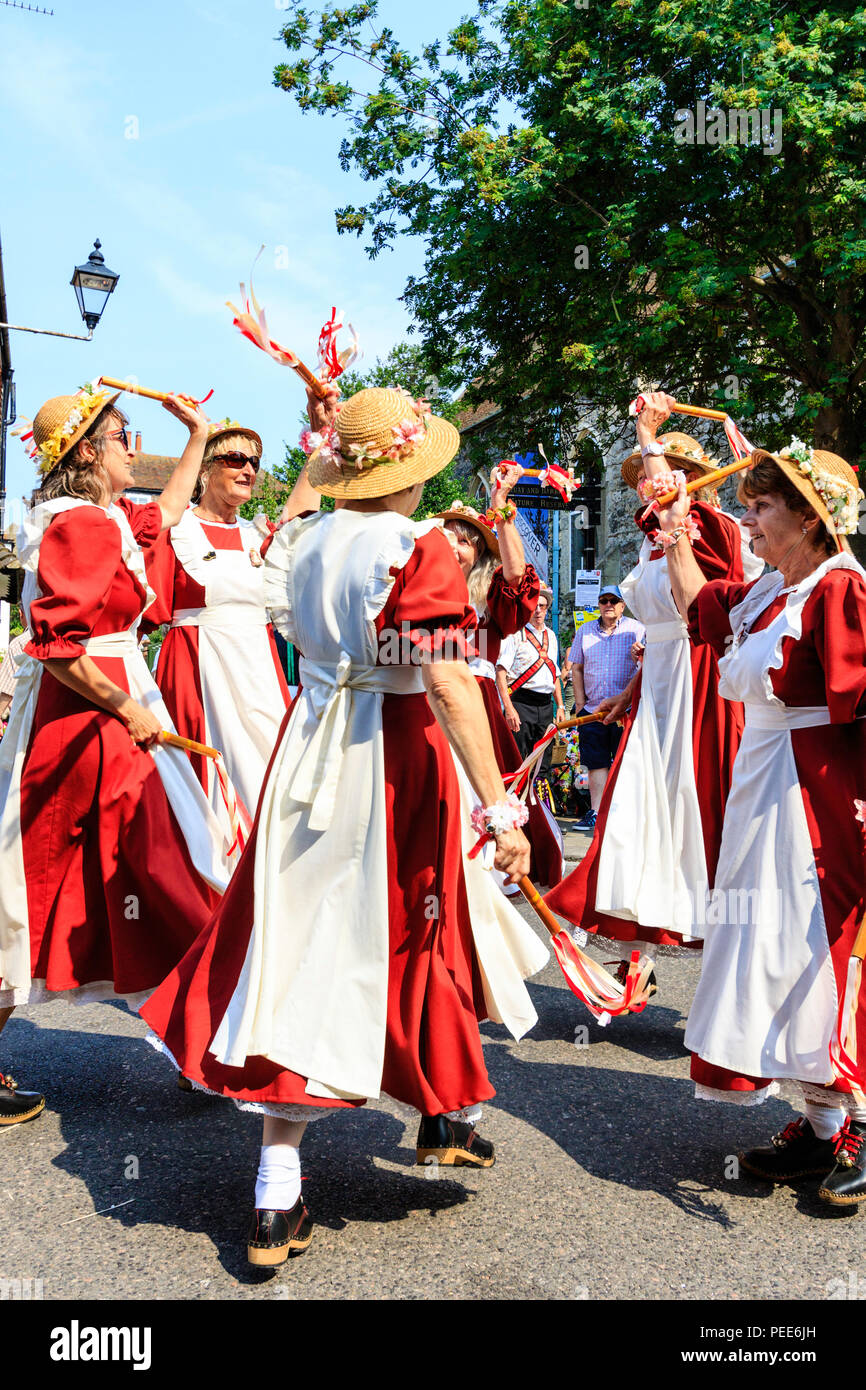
(239, 820)
(740, 445)
(145, 391)
(604, 996)
(252, 323)
(562, 480)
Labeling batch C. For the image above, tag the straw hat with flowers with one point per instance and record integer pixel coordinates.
(681, 451)
(225, 437)
(381, 442)
(461, 511)
(62, 421)
(827, 482)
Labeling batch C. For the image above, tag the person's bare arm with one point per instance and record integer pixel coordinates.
(303, 496)
(81, 674)
(174, 498)
(578, 686)
(512, 718)
(684, 572)
(656, 410)
(454, 698)
(510, 545)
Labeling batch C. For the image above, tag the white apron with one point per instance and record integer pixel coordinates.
(243, 702)
(202, 834)
(313, 992)
(766, 1003)
(652, 867)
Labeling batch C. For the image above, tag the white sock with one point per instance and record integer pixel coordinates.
(826, 1120)
(278, 1183)
(857, 1112)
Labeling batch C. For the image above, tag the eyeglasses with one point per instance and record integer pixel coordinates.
(237, 461)
(122, 435)
(608, 602)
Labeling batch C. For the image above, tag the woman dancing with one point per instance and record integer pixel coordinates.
(644, 881)
(110, 859)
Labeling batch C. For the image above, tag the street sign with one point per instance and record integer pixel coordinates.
(544, 499)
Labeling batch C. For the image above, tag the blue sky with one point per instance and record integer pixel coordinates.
(223, 162)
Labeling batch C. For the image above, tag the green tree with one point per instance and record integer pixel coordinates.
(577, 241)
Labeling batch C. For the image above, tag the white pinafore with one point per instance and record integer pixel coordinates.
(242, 698)
(652, 866)
(204, 838)
(766, 1003)
(313, 991)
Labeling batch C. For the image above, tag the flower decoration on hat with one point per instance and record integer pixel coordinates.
(406, 433)
(48, 449)
(839, 497)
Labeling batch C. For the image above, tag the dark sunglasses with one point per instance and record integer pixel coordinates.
(237, 461)
(122, 435)
(607, 601)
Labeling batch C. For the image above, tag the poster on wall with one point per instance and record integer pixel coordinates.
(587, 587)
(534, 548)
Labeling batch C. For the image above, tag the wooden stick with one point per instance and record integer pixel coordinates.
(860, 943)
(580, 719)
(535, 900)
(175, 741)
(708, 479)
(319, 388)
(701, 412)
(136, 390)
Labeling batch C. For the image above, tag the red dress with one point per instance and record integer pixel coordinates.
(509, 608)
(112, 895)
(818, 663)
(433, 1058)
(716, 729)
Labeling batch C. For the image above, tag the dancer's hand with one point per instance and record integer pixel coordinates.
(657, 407)
(613, 709)
(144, 727)
(323, 413)
(512, 854)
(502, 480)
(190, 415)
(512, 718)
(673, 516)
(637, 651)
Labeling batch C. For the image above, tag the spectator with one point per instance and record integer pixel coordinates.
(603, 667)
(9, 670)
(527, 676)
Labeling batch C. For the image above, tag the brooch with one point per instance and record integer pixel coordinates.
(255, 558)
(211, 555)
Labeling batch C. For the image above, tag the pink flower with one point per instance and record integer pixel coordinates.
(861, 810)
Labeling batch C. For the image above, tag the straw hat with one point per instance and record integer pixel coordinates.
(681, 451)
(62, 421)
(381, 441)
(461, 511)
(227, 433)
(827, 482)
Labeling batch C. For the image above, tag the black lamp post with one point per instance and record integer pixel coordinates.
(93, 283)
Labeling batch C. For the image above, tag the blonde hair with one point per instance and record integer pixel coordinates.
(227, 444)
(481, 574)
(75, 476)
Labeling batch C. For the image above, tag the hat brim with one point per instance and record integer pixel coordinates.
(82, 430)
(229, 430)
(488, 535)
(435, 451)
(632, 469)
(806, 490)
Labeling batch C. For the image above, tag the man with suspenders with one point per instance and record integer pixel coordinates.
(527, 676)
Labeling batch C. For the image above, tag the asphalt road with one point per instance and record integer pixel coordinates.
(611, 1181)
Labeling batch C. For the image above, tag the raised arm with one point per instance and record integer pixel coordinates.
(303, 496)
(510, 545)
(683, 569)
(174, 498)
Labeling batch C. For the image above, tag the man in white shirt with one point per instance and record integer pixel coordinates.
(527, 677)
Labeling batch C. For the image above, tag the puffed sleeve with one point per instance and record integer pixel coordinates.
(430, 597)
(160, 562)
(145, 520)
(78, 560)
(510, 606)
(836, 614)
(709, 616)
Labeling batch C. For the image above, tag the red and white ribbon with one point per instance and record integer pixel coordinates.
(562, 480)
(332, 363)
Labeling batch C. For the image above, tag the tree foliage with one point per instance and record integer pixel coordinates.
(575, 247)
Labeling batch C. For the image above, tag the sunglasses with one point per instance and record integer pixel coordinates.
(237, 461)
(122, 435)
(609, 601)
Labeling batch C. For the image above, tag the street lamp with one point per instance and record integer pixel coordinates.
(93, 283)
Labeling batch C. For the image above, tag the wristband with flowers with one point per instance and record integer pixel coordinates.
(650, 488)
(501, 817)
(494, 514)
